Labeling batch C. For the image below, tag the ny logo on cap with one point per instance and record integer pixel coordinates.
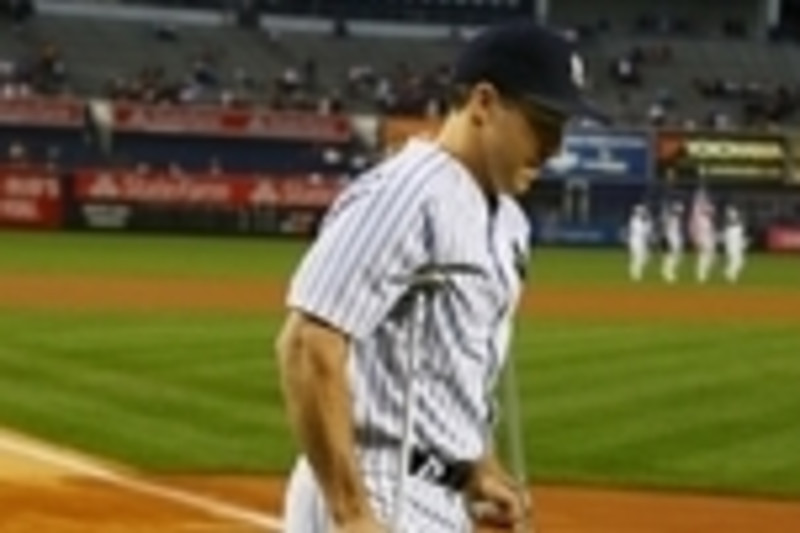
(577, 71)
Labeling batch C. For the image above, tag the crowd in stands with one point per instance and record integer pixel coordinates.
(44, 72)
(211, 76)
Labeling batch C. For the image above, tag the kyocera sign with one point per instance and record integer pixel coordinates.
(727, 150)
(722, 156)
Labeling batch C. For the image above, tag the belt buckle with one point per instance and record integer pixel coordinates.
(432, 468)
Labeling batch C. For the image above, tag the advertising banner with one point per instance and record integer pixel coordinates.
(783, 239)
(229, 191)
(602, 155)
(223, 122)
(722, 156)
(575, 234)
(793, 142)
(54, 112)
(29, 197)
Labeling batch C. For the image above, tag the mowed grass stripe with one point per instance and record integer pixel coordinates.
(586, 362)
(154, 255)
(634, 415)
(162, 349)
(228, 418)
(79, 418)
(605, 402)
(161, 398)
(122, 393)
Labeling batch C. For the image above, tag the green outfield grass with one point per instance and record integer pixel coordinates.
(660, 404)
(148, 255)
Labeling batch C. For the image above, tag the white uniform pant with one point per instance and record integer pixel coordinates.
(428, 508)
(706, 256)
(734, 255)
(639, 256)
(671, 262)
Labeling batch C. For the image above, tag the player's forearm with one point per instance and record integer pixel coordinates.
(316, 393)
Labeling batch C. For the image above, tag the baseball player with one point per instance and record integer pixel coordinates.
(734, 242)
(357, 312)
(673, 239)
(705, 239)
(640, 231)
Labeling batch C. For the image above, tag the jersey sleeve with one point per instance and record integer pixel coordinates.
(361, 262)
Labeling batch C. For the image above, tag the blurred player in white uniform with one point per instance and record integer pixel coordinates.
(705, 240)
(734, 241)
(673, 237)
(640, 229)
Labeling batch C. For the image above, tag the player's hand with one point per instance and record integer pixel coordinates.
(361, 525)
(497, 500)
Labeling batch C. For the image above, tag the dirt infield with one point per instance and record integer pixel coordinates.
(648, 302)
(48, 490)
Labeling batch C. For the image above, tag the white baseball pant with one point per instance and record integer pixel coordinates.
(428, 507)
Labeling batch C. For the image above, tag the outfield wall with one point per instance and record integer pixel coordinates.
(103, 166)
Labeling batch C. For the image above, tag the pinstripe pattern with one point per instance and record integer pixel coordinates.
(418, 208)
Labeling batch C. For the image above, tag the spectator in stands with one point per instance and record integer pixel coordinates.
(51, 70)
(17, 153)
(625, 71)
(204, 72)
(657, 114)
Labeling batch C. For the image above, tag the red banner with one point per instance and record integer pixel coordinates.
(229, 191)
(214, 121)
(783, 239)
(29, 197)
(41, 112)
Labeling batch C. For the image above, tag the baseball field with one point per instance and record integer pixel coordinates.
(138, 390)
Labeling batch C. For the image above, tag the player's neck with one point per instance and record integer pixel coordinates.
(457, 139)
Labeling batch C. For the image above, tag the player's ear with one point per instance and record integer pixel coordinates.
(483, 102)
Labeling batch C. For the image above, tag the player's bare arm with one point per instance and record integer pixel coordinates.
(312, 360)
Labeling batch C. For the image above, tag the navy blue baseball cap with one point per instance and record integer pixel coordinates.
(523, 59)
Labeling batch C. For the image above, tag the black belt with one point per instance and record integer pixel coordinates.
(423, 463)
(431, 466)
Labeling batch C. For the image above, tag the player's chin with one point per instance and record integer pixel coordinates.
(525, 179)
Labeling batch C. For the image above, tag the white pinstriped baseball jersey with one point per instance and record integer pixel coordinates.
(419, 209)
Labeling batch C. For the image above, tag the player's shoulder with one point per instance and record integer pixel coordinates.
(410, 175)
(419, 164)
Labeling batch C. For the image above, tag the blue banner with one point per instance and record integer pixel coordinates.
(603, 155)
(576, 234)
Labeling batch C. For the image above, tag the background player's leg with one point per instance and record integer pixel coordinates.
(670, 267)
(735, 266)
(705, 262)
(637, 263)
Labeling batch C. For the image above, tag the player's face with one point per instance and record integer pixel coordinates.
(511, 138)
(518, 140)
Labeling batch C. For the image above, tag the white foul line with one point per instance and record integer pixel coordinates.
(86, 468)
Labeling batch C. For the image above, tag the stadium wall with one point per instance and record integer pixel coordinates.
(213, 170)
